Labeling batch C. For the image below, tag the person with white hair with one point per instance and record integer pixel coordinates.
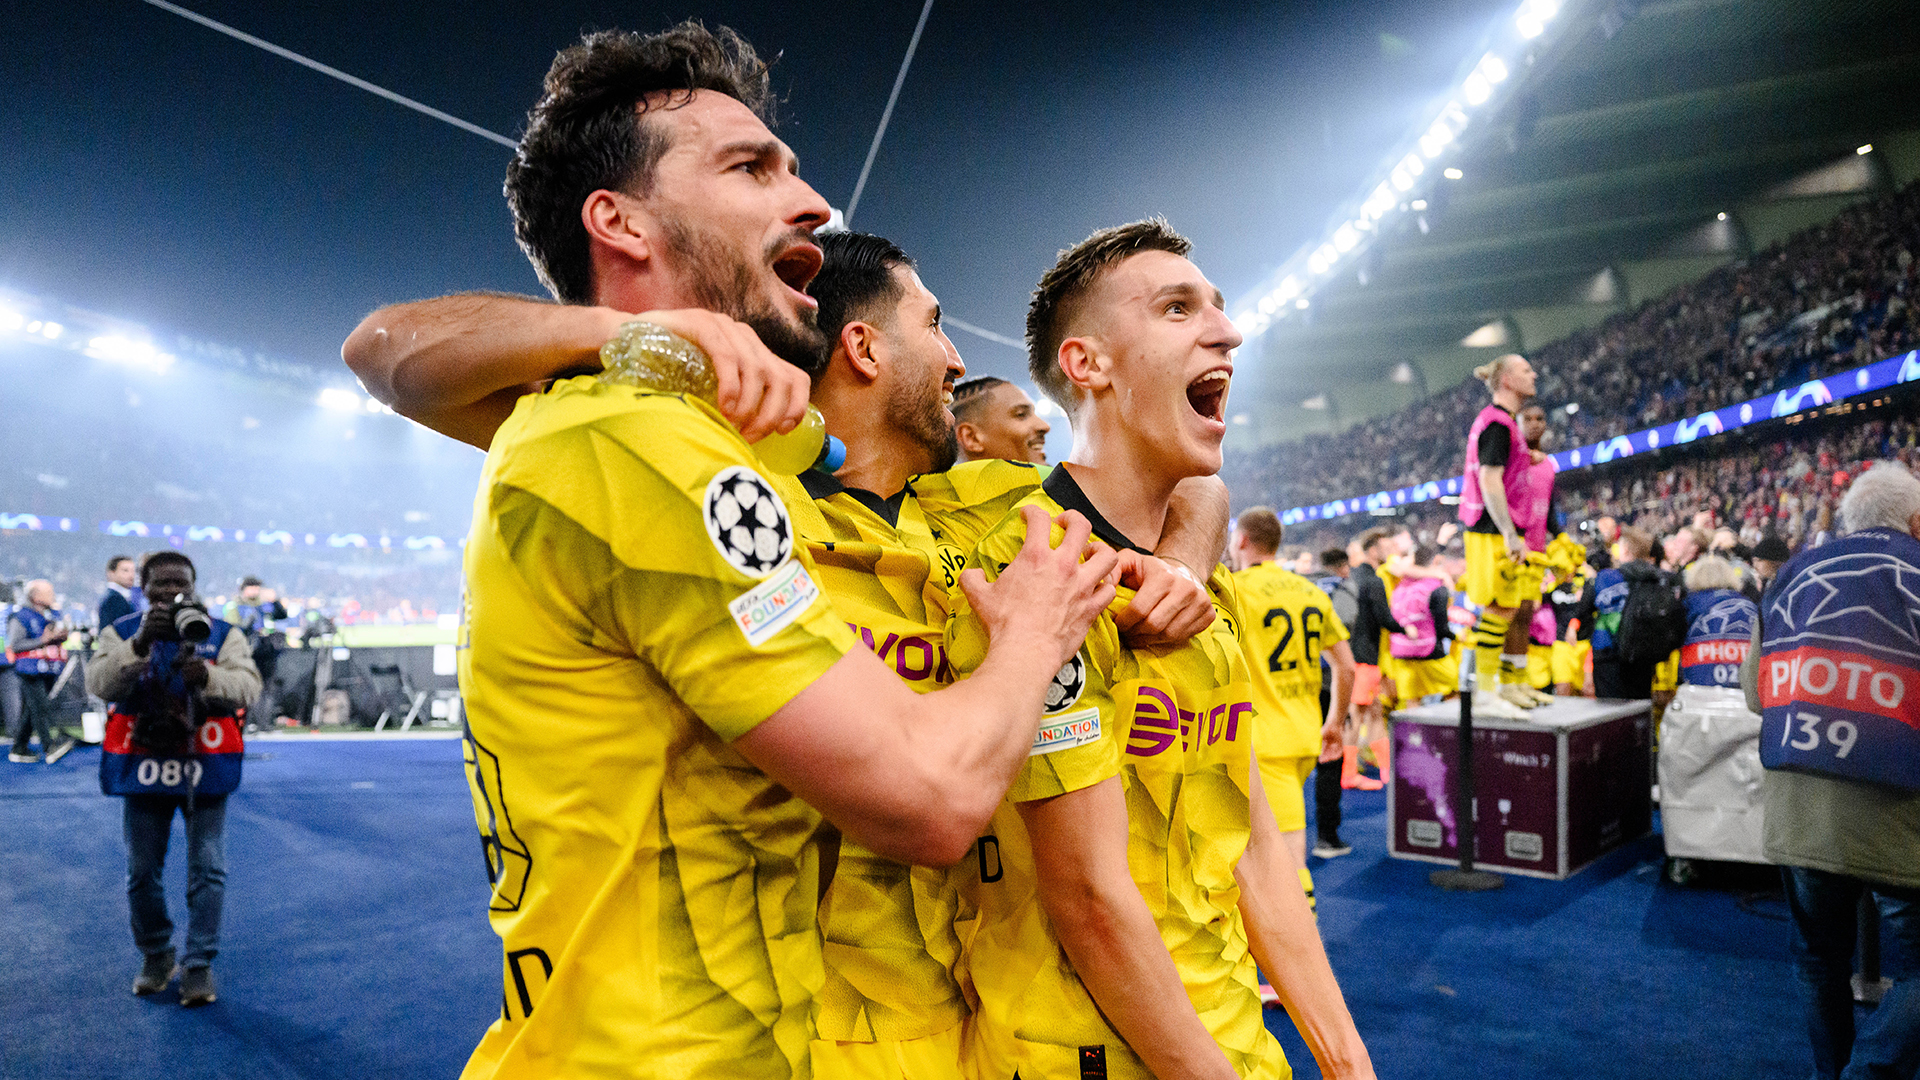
(34, 637)
(1834, 671)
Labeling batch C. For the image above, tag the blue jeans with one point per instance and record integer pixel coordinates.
(1825, 910)
(149, 821)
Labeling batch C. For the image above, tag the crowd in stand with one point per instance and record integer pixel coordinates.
(1827, 299)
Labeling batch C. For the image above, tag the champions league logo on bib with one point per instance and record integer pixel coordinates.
(747, 522)
(1067, 683)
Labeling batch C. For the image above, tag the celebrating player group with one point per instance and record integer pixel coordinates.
(918, 768)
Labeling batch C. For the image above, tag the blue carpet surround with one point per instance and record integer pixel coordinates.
(356, 945)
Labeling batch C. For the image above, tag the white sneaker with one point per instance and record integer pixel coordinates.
(1497, 707)
(1520, 697)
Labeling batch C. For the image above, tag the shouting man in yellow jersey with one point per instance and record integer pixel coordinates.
(658, 719)
(1128, 887)
(1290, 625)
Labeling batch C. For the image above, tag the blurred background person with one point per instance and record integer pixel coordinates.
(1846, 826)
(993, 418)
(34, 637)
(256, 610)
(123, 596)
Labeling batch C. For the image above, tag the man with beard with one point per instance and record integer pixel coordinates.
(657, 720)
(888, 534)
(1134, 875)
(995, 419)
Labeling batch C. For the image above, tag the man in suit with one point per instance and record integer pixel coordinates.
(123, 596)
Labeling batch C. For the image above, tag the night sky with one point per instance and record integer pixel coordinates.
(159, 171)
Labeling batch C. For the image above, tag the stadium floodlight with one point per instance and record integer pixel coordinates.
(123, 350)
(11, 320)
(1533, 16)
(1345, 237)
(1419, 204)
(1269, 304)
(1289, 288)
(1454, 174)
(51, 330)
(1301, 303)
(333, 397)
(1863, 149)
(1379, 202)
(1493, 68)
(1477, 89)
(1436, 138)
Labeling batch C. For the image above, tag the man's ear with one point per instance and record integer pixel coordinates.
(969, 437)
(1085, 364)
(857, 343)
(617, 221)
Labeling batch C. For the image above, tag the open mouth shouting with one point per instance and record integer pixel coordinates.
(795, 267)
(1207, 395)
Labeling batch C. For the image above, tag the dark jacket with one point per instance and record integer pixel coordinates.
(1375, 614)
(114, 607)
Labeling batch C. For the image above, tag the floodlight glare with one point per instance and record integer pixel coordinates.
(334, 397)
(1328, 255)
(1721, 216)
(1419, 204)
(121, 350)
(1493, 68)
(1289, 288)
(51, 330)
(1345, 237)
(11, 320)
(1572, 407)
(1863, 149)
(1413, 165)
(1477, 89)
(1269, 304)
(1301, 303)
(1454, 174)
(1402, 179)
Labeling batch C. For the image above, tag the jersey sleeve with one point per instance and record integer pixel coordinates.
(1079, 738)
(971, 498)
(648, 528)
(1496, 445)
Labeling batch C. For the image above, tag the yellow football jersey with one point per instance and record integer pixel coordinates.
(634, 602)
(1176, 726)
(890, 942)
(1289, 621)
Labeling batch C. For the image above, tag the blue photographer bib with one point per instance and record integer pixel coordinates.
(1840, 661)
(210, 762)
(1719, 631)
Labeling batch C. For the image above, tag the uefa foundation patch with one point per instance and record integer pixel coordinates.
(1066, 732)
(770, 606)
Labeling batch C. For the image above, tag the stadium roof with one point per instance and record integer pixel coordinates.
(1642, 146)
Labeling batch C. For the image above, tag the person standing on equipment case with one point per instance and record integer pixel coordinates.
(1128, 877)
(1496, 503)
(604, 584)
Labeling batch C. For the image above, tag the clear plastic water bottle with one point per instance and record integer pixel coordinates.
(647, 354)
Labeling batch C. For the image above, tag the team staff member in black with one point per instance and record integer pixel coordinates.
(1373, 615)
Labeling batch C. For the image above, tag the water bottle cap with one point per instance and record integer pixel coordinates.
(832, 456)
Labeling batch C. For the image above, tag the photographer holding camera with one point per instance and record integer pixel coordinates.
(36, 637)
(176, 679)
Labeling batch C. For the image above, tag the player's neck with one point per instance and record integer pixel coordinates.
(1123, 476)
(1508, 400)
(879, 459)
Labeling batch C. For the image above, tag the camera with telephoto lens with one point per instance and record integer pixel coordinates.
(190, 619)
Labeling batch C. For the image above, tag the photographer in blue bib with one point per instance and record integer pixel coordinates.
(177, 681)
(1834, 672)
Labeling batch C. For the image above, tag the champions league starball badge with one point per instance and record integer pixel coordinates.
(1067, 683)
(747, 522)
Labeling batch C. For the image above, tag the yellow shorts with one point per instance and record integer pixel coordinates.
(1539, 666)
(1424, 677)
(930, 1057)
(1285, 779)
(1570, 662)
(1666, 674)
(1494, 579)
